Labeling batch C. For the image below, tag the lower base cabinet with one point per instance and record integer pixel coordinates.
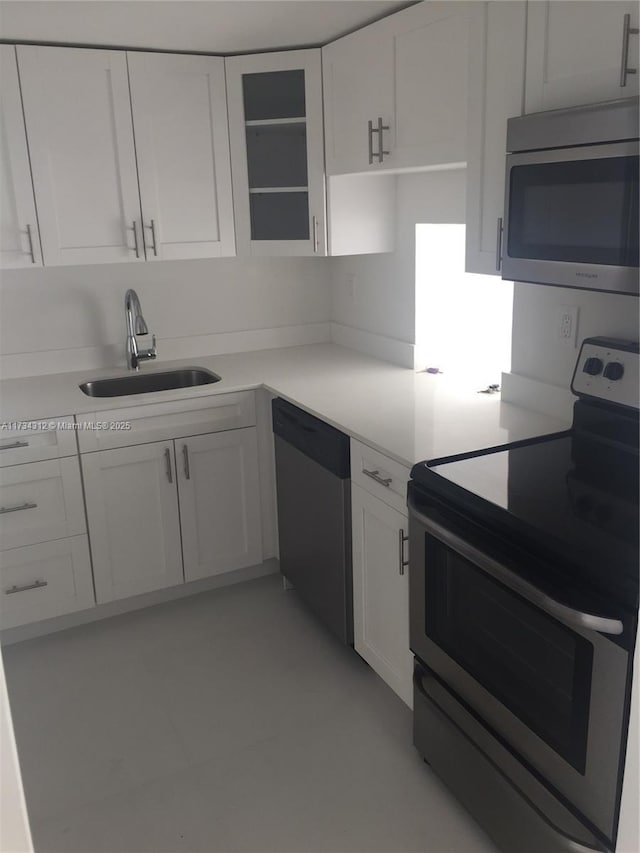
(381, 590)
(219, 495)
(150, 505)
(134, 527)
(45, 580)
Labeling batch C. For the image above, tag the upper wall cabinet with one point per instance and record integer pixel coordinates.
(396, 91)
(77, 108)
(496, 85)
(19, 235)
(275, 126)
(179, 105)
(576, 53)
(78, 117)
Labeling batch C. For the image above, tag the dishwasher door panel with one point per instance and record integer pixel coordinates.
(314, 523)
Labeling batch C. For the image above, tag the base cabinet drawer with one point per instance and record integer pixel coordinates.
(380, 476)
(45, 580)
(40, 501)
(31, 441)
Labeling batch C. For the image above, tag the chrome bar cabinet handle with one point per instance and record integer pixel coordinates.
(30, 238)
(154, 244)
(627, 31)
(135, 240)
(314, 223)
(375, 475)
(167, 461)
(27, 505)
(539, 598)
(402, 563)
(185, 457)
(381, 150)
(35, 585)
(13, 445)
(499, 230)
(370, 142)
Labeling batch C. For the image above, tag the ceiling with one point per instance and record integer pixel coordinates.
(210, 26)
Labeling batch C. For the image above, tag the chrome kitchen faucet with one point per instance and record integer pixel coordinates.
(136, 326)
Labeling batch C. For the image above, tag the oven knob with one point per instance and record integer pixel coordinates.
(613, 371)
(593, 366)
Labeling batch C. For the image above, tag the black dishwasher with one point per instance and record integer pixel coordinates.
(313, 484)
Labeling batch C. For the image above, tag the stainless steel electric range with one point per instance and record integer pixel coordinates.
(523, 614)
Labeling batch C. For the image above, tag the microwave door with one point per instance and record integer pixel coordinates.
(571, 217)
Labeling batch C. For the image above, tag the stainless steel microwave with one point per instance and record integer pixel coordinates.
(571, 198)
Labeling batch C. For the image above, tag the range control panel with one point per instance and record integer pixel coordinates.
(608, 369)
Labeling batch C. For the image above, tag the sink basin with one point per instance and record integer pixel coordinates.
(145, 383)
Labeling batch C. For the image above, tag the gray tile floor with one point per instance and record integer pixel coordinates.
(226, 722)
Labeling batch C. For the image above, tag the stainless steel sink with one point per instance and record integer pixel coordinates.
(145, 383)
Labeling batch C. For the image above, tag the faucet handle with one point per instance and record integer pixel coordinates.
(152, 352)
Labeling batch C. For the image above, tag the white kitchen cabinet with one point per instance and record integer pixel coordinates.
(134, 528)
(40, 501)
(496, 81)
(45, 580)
(78, 119)
(381, 590)
(276, 132)
(357, 73)
(219, 491)
(574, 53)
(19, 234)
(192, 499)
(179, 107)
(407, 75)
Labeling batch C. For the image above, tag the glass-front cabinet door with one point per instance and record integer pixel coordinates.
(276, 131)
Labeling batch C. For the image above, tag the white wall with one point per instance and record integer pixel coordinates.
(376, 293)
(537, 351)
(71, 318)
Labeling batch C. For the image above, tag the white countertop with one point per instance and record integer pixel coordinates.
(406, 415)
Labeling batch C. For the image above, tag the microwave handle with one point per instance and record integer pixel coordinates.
(499, 230)
(567, 615)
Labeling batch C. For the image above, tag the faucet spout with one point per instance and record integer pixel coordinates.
(136, 325)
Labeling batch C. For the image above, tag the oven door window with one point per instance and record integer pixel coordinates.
(582, 211)
(535, 666)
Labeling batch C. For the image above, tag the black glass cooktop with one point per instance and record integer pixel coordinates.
(570, 497)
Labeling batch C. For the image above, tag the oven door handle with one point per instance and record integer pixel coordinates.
(562, 612)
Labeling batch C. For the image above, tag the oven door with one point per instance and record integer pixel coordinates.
(571, 217)
(547, 680)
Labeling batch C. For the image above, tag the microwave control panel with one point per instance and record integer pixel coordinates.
(609, 370)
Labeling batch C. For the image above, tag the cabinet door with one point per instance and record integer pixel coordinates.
(19, 235)
(179, 105)
(132, 510)
(430, 46)
(276, 131)
(574, 53)
(381, 591)
(357, 73)
(496, 81)
(219, 493)
(78, 118)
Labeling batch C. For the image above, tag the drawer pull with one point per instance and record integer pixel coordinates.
(34, 585)
(375, 475)
(14, 445)
(167, 462)
(19, 508)
(185, 457)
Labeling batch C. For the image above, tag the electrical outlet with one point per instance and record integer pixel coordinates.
(568, 324)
